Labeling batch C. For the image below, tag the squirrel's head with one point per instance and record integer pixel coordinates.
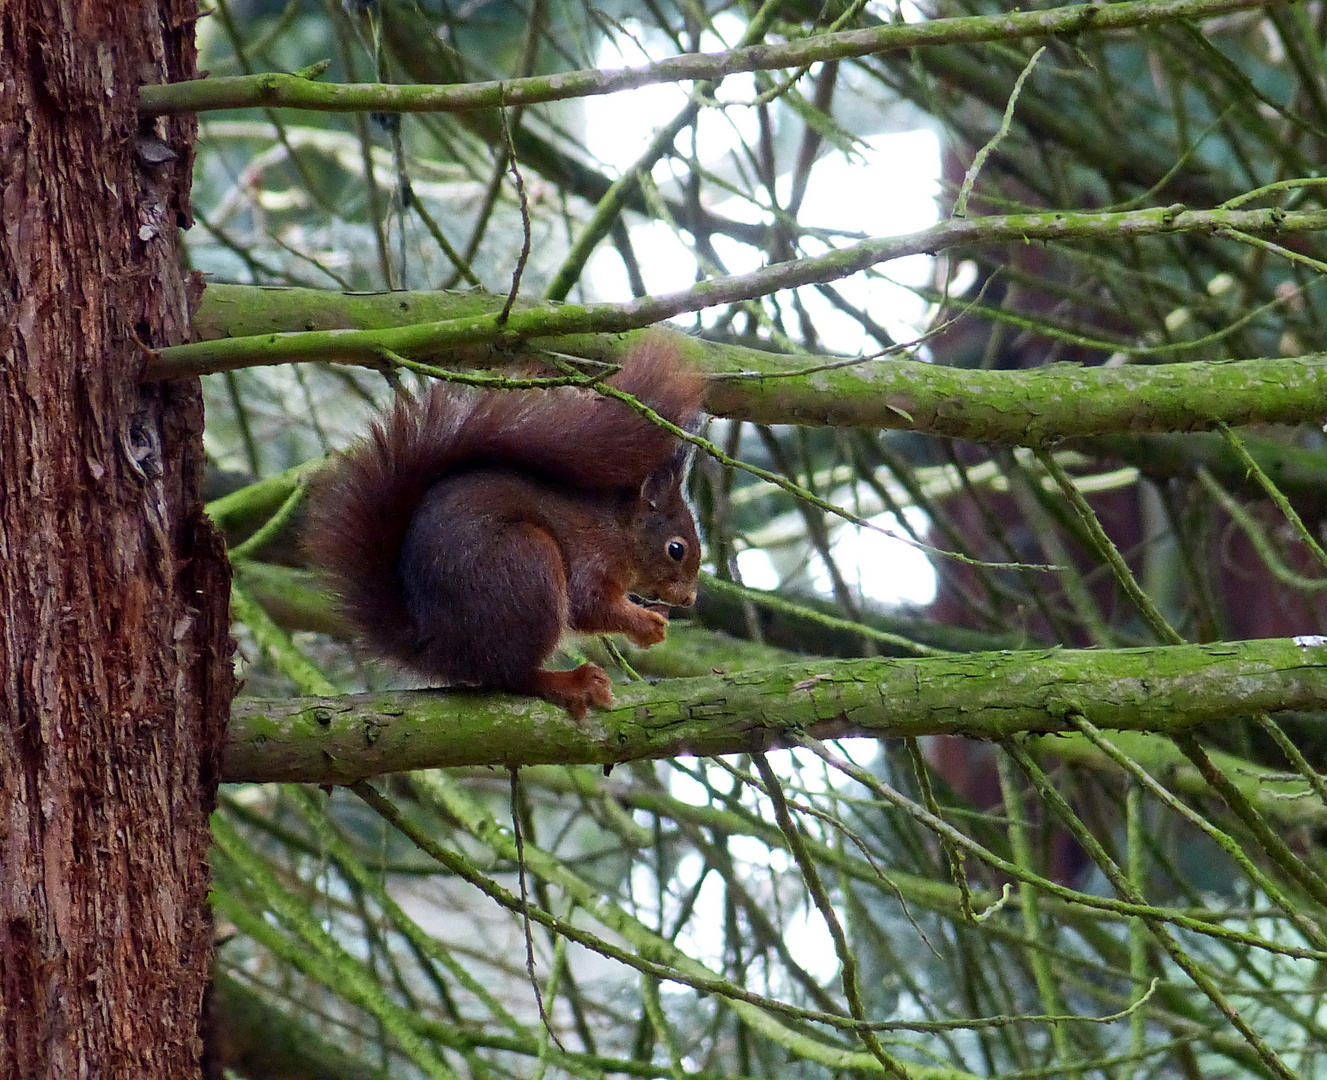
(667, 557)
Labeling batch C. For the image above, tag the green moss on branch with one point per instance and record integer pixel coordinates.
(981, 695)
(297, 91)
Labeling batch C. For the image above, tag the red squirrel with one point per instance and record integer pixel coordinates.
(473, 528)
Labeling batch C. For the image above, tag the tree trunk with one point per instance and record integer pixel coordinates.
(115, 674)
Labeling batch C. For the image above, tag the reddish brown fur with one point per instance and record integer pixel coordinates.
(471, 529)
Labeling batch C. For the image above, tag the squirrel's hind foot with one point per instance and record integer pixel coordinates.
(574, 690)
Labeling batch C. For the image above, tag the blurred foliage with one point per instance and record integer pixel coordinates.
(731, 918)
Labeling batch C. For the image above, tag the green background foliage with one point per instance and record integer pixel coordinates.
(1140, 201)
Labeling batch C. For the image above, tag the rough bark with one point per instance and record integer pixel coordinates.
(114, 669)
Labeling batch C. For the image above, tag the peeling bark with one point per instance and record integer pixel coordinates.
(115, 676)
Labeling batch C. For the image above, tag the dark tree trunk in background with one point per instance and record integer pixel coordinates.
(114, 669)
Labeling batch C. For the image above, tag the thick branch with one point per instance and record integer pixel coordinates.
(272, 89)
(1060, 401)
(982, 695)
(551, 320)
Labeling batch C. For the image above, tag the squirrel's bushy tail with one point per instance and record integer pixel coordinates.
(362, 508)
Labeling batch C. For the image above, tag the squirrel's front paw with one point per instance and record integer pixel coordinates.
(650, 629)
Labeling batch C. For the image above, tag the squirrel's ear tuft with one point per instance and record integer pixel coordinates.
(667, 478)
(656, 372)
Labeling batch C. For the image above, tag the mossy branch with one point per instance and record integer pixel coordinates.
(1021, 407)
(981, 695)
(368, 347)
(298, 91)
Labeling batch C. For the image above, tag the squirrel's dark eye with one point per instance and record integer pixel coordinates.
(676, 550)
